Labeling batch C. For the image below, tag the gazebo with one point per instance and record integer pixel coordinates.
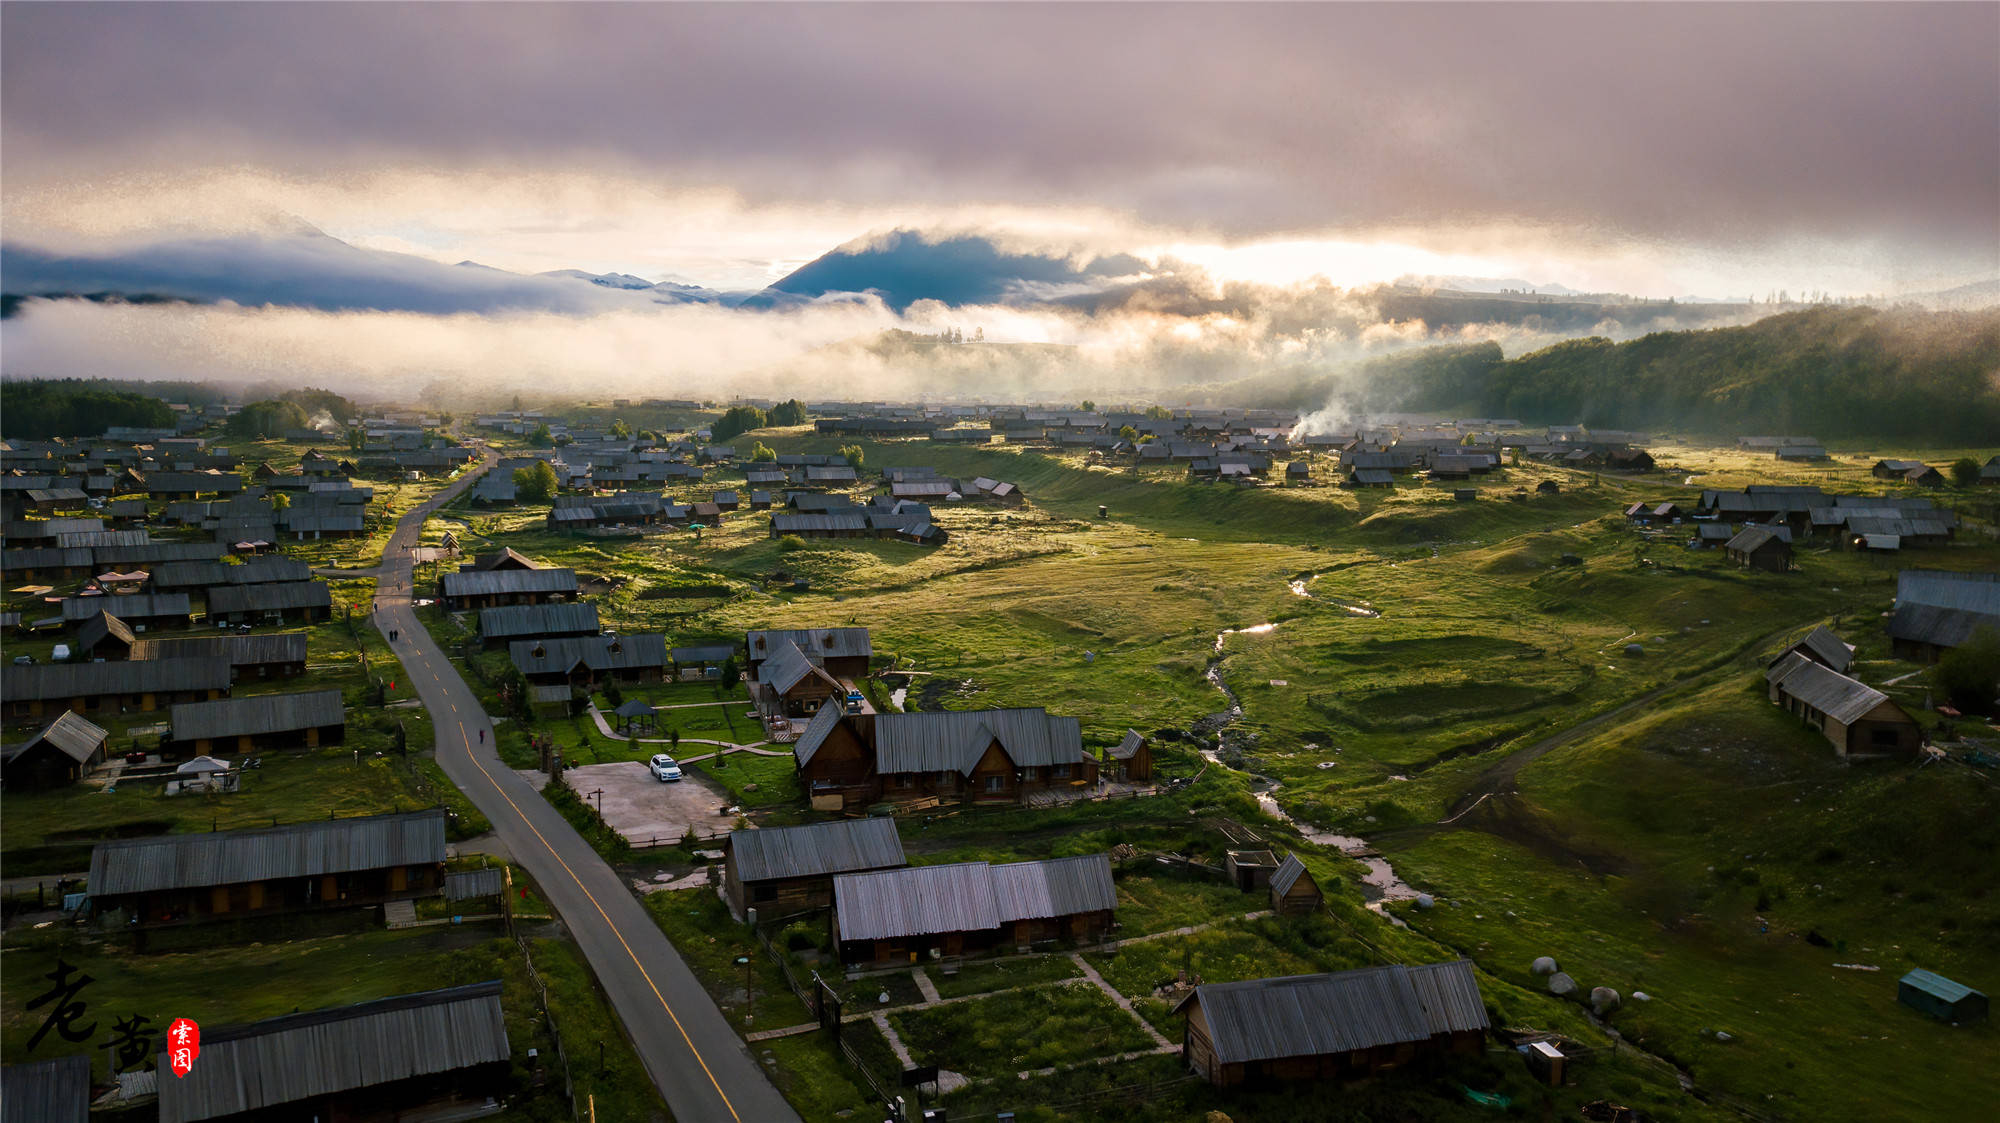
(633, 710)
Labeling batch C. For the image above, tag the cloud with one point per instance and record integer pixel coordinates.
(1713, 125)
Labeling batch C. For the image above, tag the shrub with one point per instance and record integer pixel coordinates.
(791, 542)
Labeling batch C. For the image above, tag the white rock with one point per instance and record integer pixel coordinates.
(1544, 966)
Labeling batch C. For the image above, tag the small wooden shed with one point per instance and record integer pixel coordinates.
(1940, 997)
(1293, 890)
(1133, 757)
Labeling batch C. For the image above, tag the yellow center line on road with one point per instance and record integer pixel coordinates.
(466, 740)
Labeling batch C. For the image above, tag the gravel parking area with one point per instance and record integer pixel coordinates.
(643, 809)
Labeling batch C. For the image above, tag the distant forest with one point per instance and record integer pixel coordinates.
(1928, 377)
(77, 408)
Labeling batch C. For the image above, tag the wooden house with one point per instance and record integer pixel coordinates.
(784, 870)
(309, 719)
(1760, 547)
(441, 1054)
(917, 912)
(1293, 890)
(281, 602)
(103, 636)
(1894, 469)
(588, 660)
(335, 863)
(793, 683)
(269, 655)
(1858, 719)
(1132, 758)
(56, 1090)
(492, 588)
(499, 627)
(1941, 998)
(1347, 1025)
(39, 691)
(1821, 646)
(62, 752)
(954, 756)
(1937, 610)
(142, 611)
(844, 652)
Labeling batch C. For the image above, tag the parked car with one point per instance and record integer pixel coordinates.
(665, 770)
(24, 660)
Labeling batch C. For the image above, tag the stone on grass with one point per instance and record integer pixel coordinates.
(1603, 998)
(1641, 996)
(1426, 901)
(1561, 984)
(1544, 966)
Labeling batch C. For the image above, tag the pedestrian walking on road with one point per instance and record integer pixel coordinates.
(482, 736)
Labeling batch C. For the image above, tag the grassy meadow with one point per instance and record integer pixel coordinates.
(1649, 820)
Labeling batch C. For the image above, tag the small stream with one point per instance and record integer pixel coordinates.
(1380, 885)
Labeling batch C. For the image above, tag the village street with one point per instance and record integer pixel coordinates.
(699, 1065)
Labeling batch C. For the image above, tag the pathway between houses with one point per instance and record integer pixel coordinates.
(1122, 1002)
(755, 747)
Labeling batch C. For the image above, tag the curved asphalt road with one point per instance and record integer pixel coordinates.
(696, 1060)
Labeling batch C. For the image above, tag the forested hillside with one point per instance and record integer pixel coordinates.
(76, 408)
(1832, 372)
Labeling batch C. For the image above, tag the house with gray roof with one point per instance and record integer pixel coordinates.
(61, 752)
(1856, 718)
(1340, 1026)
(586, 660)
(332, 863)
(443, 1047)
(501, 626)
(891, 915)
(308, 719)
(119, 686)
(1937, 610)
(287, 602)
(946, 756)
(783, 870)
(492, 588)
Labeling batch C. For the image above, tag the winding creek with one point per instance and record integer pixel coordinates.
(1380, 885)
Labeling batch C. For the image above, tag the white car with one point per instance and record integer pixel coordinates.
(664, 769)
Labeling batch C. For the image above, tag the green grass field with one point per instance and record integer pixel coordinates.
(1405, 647)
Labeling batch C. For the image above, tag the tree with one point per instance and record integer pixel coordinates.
(735, 420)
(730, 674)
(785, 413)
(1159, 413)
(540, 437)
(762, 453)
(1127, 433)
(280, 501)
(1969, 674)
(1965, 471)
(535, 484)
(619, 429)
(270, 418)
(1089, 406)
(854, 456)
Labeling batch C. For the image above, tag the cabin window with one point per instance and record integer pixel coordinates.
(1884, 738)
(763, 892)
(995, 783)
(1060, 771)
(904, 779)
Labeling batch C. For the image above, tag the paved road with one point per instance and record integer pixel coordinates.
(696, 1060)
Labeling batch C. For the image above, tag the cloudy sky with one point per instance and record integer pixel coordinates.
(1658, 149)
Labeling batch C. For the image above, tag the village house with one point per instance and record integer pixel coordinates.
(785, 870)
(952, 756)
(310, 719)
(1342, 1026)
(266, 655)
(1131, 759)
(844, 652)
(335, 863)
(56, 1090)
(290, 602)
(792, 683)
(39, 691)
(492, 588)
(499, 627)
(61, 752)
(1294, 892)
(1760, 547)
(908, 914)
(1855, 717)
(438, 1054)
(587, 660)
(1941, 998)
(1937, 610)
(1821, 646)
(140, 611)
